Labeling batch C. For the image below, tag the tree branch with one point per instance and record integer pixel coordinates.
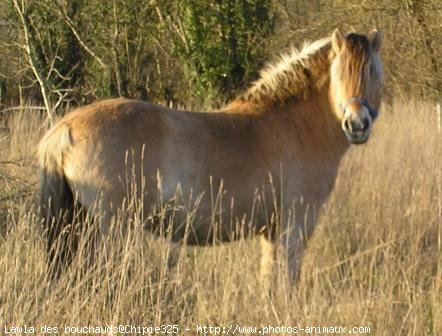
(74, 30)
(31, 59)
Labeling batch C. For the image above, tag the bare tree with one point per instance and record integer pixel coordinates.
(27, 46)
(54, 5)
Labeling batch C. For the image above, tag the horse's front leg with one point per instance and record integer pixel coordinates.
(289, 252)
(279, 257)
(267, 269)
(292, 240)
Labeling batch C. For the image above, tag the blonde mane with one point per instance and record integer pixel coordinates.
(297, 73)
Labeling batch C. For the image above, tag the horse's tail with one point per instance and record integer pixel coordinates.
(56, 197)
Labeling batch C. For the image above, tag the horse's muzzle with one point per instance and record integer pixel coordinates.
(357, 130)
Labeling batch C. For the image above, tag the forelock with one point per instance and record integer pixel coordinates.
(356, 43)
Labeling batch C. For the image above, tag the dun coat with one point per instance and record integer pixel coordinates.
(263, 164)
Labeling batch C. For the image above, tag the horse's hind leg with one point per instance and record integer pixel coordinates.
(99, 240)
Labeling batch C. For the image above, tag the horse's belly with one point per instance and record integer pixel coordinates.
(203, 208)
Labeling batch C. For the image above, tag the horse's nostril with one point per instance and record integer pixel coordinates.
(366, 125)
(348, 125)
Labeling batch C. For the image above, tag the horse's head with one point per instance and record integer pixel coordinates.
(356, 80)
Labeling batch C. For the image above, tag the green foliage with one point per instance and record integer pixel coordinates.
(196, 53)
(223, 44)
(119, 33)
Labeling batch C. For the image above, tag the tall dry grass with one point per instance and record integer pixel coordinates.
(374, 261)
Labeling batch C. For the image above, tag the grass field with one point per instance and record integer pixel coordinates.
(374, 261)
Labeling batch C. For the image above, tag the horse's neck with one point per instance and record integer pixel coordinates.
(313, 128)
(304, 127)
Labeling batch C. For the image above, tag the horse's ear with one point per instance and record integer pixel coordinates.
(337, 40)
(375, 39)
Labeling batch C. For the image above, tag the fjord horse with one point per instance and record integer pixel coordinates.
(271, 155)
